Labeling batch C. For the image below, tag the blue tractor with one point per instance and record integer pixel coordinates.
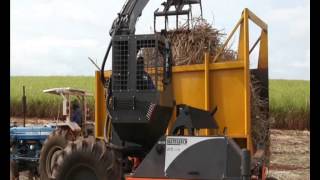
(25, 147)
(35, 148)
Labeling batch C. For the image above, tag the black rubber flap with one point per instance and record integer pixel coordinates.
(190, 117)
(201, 118)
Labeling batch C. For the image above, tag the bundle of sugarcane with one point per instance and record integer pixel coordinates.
(189, 44)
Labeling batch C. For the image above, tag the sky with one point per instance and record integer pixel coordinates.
(56, 37)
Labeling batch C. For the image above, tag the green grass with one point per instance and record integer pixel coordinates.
(42, 104)
(289, 95)
(289, 99)
(290, 103)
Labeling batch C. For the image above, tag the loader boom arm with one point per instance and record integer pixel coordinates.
(124, 24)
(126, 21)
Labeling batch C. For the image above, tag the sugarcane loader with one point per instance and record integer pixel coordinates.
(156, 121)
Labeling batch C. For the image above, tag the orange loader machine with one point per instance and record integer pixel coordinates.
(156, 121)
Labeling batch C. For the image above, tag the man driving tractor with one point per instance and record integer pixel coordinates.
(76, 112)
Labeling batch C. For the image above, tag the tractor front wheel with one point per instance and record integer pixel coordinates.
(88, 159)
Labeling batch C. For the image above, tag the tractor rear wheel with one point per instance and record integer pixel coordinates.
(53, 145)
(14, 173)
(88, 159)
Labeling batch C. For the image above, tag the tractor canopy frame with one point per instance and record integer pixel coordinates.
(67, 93)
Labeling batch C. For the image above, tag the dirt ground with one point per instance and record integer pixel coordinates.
(290, 155)
(290, 152)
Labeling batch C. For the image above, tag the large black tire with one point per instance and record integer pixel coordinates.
(14, 173)
(53, 145)
(88, 159)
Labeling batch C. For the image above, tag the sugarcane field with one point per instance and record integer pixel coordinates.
(160, 90)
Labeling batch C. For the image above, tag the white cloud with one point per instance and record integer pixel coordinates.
(300, 64)
(304, 63)
(43, 44)
(57, 36)
(289, 40)
(50, 55)
(295, 20)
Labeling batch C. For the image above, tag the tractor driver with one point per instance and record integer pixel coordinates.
(76, 112)
(144, 81)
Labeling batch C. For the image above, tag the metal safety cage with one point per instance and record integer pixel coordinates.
(138, 63)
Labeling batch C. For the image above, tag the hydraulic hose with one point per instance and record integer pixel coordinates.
(102, 78)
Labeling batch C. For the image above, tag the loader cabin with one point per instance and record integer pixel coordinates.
(224, 84)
